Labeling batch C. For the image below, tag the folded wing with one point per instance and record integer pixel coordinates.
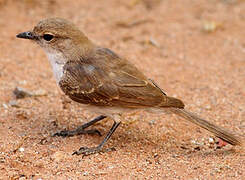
(103, 78)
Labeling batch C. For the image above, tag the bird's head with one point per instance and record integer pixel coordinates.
(57, 35)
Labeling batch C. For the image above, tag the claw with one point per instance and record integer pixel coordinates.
(85, 151)
(66, 133)
(81, 129)
(63, 133)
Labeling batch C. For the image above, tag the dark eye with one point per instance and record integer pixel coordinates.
(48, 37)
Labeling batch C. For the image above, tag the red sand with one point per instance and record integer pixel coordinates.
(195, 50)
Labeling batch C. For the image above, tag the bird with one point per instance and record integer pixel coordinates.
(104, 82)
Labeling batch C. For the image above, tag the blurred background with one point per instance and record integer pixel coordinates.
(194, 50)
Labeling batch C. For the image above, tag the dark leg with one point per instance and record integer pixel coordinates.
(81, 129)
(87, 151)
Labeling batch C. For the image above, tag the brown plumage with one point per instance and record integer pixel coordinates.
(104, 79)
(99, 78)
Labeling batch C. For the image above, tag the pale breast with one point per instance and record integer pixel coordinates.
(57, 62)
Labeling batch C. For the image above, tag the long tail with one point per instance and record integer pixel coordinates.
(217, 131)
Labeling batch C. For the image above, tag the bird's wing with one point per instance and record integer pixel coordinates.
(103, 78)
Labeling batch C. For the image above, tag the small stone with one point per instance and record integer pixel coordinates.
(193, 142)
(58, 156)
(39, 92)
(5, 106)
(21, 149)
(221, 143)
(211, 26)
(152, 122)
(211, 140)
(155, 155)
(13, 103)
(208, 107)
(153, 42)
(21, 93)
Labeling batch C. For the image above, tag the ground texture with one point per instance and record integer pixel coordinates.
(195, 50)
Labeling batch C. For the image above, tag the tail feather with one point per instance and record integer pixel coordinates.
(217, 131)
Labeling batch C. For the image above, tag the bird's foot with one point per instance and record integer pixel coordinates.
(78, 131)
(85, 151)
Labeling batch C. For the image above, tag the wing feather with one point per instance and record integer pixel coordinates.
(109, 80)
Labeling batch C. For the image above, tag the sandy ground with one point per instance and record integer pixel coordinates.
(195, 50)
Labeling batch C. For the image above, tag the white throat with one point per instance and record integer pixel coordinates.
(57, 62)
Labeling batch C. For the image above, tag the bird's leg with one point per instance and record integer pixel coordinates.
(81, 129)
(87, 151)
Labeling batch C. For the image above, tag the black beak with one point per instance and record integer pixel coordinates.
(26, 35)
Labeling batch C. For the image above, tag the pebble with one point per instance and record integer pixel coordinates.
(193, 142)
(23, 93)
(39, 92)
(21, 149)
(152, 122)
(5, 106)
(13, 103)
(211, 26)
(58, 156)
(211, 140)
